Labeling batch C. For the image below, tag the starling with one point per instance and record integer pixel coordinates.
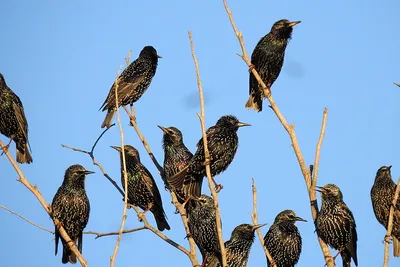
(142, 189)
(13, 122)
(267, 59)
(382, 194)
(71, 207)
(176, 157)
(203, 227)
(335, 224)
(238, 247)
(283, 239)
(132, 83)
(223, 141)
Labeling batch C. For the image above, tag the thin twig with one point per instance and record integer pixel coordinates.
(398, 84)
(390, 224)
(38, 195)
(290, 130)
(254, 217)
(207, 154)
(98, 235)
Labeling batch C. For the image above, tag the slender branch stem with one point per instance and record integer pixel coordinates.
(398, 84)
(98, 235)
(207, 154)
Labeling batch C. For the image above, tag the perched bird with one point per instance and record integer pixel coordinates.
(72, 208)
(203, 227)
(336, 225)
(13, 123)
(222, 141)
(267, 59)
(382, 194)
(176, 157)
(142, 189)
(283, 240)
(132, 83)
(238, 247)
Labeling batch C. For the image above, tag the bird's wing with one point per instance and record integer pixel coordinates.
(20, 114)
(151, 186)
(350, 226)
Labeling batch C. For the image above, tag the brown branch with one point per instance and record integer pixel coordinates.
(254, 217)
(47, 207)
(289, 129)
(98, 235)
(207, 154)
(390, 225)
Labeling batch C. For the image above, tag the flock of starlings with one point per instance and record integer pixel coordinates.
(184, 172)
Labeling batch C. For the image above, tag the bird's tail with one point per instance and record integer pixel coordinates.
(161, 221)
(23, 154)
(68, 255)
(176, 181)
(346, 258)
(396, 247)
(254, 102)
(107, 121)
(192, 186)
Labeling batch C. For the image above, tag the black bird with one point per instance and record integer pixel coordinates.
(142, 189)
(132, 83)
(13, 123)
(382, 194)
(238, 247)
(176, 157)
(335, 224)
(267, 59)
(223, 141)
(283, 240)
(72, 208)
(203, 227)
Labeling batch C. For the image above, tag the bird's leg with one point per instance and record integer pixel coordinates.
(218, 187)
(142, 214)
(204, 261)
(5, 148)
(337, 254)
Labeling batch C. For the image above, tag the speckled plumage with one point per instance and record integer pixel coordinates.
(237, 247)
(202, 226)
(335, 224)
(382, 193)
(132, 83)
(176, 157)
(142, 189)
(13, 123)
(222, 141)
(267, 59)
(283, 240)
(72, 208)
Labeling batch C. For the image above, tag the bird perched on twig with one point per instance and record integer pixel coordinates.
(176, 157)
(222, 141)
(142, 189)
(237, 247)
(72, 208)
(335, 224)
(267, 59)
(132, 83)
(382, 194)
(202, 226)
(13, 123)
(283, 240)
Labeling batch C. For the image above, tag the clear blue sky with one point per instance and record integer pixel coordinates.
(62, 57)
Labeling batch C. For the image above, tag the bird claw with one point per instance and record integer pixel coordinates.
(188, 235)
(387, 239)
(267, 92)
(206, 162)
(5, 148)
(218, 188)
(251, 67)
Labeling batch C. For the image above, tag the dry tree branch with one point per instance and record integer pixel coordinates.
(47, 207)
(398, 84)
(98, 235)
(207, 154)
(390, 225)
(290, 130)
(254, 217)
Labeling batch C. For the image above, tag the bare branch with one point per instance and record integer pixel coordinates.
(98, 235)
(318, 150)
(398, 84)
(390, 225)
(290, 130)
(254, 217)
(44, 204)
(207, 154)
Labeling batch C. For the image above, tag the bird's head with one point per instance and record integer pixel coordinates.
(75, 174)
(330, 192)
(288, 216)
(130, 151)
(231, 121)
(171, 136)
(384, 171)
(149, 52)
(282, 29)
(245, 231)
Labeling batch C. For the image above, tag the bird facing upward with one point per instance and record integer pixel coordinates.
(72, 208)
(13, 123)
(132, 83)
(336, 225)
(267, 59)
(382, 194)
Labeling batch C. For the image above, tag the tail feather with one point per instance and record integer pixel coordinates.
(254, 102)
(396, 247)
(346, 258)
(108, 119)
(161, 221)
(192, 186)
(23, 155)
(68, 255)
(176, 181)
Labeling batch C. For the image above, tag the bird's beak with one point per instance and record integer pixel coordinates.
(291, 24)
(320, 189)
(165, 130)
(241, 124)
(390, 167)
(87, 172)
(300, 219)
(159, 56)
(255, 227)
(117, 148)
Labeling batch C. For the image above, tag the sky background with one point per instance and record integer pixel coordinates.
(61, 58)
